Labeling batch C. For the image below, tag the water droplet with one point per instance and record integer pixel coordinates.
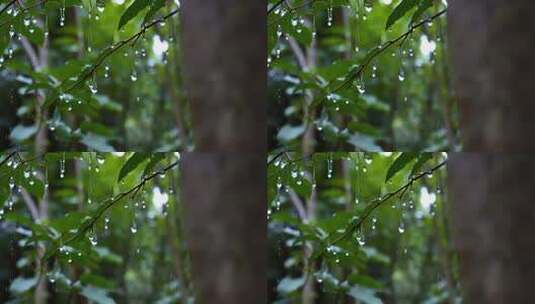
(401, 228)
(93, 239)
(360, 240)
(62, 16)
(133, 228)
(401, 75)
(361, 89)
(329, 168)
(133, 76)
(329, 16)
(62, 166)
(93, 88)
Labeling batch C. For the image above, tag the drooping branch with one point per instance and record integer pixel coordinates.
(8, 157)
(112, 49)
(7, 6)
(24, 10)
(105, 205)
(275, 6)
(30, 203)
(357, 224)
(378, 50)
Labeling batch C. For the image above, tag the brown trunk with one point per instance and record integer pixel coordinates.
(224, 197)
(491, 44)
(493, 223)
(224, 45)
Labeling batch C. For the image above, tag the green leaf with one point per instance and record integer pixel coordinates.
(422, 159)
(403, 8)
(288, 285)
(132, 11)
(97, 143)
(154, 7)
(155, 158)
(365, 295)
(20, 132)
(98, 295)
(289, 133)
(131, 164)
(422, 7)
(21, 285)
(364, 143)
(399, 164)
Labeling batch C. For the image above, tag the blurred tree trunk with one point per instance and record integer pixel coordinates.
(492, 53)
(224, 47)
(225, 216)
(493, 223)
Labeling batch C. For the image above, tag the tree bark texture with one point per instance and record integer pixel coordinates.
(224, 202)
(491, 45)
(224, 47)
(493, 223)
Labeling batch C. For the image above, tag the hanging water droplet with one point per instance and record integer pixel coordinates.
(360, 88)
(11, 183)
(401, 75)
(133, 228)
(62, 166)
(70, 261)
(62, 16)
(93, 239)
(330, 16)
(106, 71)
(93, 88)
(329, 168)
(360, 240)
(401, 228)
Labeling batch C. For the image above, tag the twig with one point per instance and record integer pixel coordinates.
(108, 204)
(375, 204)
(114, 48)
(23, 10)
(7, 6)
(275, 6)
(379, 50)
(8, 157)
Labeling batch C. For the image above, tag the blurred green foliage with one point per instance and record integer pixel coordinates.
(96, 243)
(337, 83)
(83, 85)
(401, 253)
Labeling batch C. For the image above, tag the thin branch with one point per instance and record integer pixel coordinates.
(298, 52)
(8, 157)
(290, 10)
(275, 157)
(30, 203)
(23, 10)
(7, 6)
(376, 204)
(108, 204)
(275, 6)
(379, 50)
(32, 55)
(296, 201)
(114, 48)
